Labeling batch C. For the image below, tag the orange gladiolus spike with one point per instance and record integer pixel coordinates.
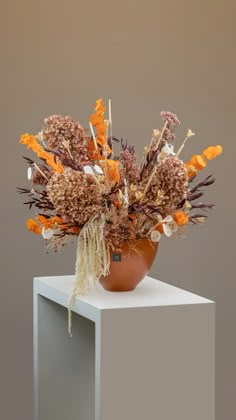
(98, 121)
(32, 144)
(30, 141)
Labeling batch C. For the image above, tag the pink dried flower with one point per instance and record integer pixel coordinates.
(168, 135)
(171, 118)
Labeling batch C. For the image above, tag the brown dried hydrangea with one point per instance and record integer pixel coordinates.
(169, 185)
(68, 137)
(130, 166)
(75, 196)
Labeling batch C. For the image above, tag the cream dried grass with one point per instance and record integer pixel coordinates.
(92, 260)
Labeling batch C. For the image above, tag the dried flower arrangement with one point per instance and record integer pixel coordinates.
(81, 188)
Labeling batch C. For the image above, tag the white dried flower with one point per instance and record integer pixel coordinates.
(39, 136)
(155, 236)
(47, 233)
(167, 150)
(169, 226)
(29, 173)
(98, 169)
(155, 132)
(190, 133)
(88, 170)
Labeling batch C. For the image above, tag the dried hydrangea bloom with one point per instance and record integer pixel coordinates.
(67, 137)
(130, 166)
(75, 196)
(169, 185)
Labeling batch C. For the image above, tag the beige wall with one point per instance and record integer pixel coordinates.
(58, 57)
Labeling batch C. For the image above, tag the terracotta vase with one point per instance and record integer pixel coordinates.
(129, 266)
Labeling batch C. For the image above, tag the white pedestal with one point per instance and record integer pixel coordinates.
(141, 355)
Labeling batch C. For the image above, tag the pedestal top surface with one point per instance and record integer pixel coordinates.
(150, 292)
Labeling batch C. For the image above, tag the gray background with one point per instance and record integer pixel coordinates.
(58, 57)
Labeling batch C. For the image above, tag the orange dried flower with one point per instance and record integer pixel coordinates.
(51, 222)
(32, 144)
(56, 166)
(199, 162)
(95, 154)
(43, 220)
(98, 121)
(100, 107)
(181, 218)
(113, 170)
(212, 151)
(191, 170)
(57, 220)
(33, 226)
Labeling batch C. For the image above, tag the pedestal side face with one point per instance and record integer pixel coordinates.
(66, 366)
(158, 363)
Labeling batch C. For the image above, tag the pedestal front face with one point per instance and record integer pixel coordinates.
(66, 366)
(158, 363)
(142, 355)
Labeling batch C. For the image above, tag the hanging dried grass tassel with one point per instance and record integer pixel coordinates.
(92, 259)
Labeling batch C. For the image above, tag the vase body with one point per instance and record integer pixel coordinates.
(129, 266)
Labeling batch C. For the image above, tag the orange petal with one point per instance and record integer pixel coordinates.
(99, 107)
(43, 220)
(101, 140)
(56, 166)
(56, 219)
(191, 170)
(32, 144)
(198, 161)
(212, 151)
(113, 170)
(30, 141)
(97, 120)
(218, 149)
(33, 226)
(181, 218)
